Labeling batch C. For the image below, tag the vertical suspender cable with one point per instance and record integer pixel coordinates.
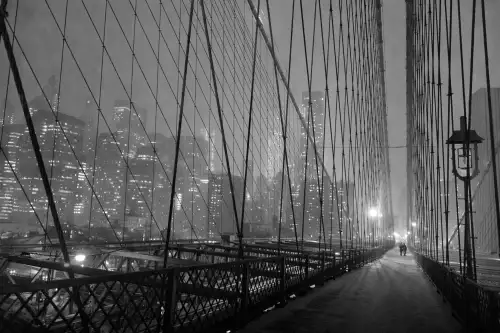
(178, 136)
(221, 120)
(249, 133)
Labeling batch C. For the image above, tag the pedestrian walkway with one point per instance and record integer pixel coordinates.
(389, 295)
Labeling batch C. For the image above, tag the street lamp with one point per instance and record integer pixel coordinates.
(374, 213)
(468, 156)
(464, 147)
(413, 231)
(80, 257)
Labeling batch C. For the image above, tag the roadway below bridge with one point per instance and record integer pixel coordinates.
(389, 295)
(487, 269)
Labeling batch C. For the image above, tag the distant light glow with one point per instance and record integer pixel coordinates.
(373, 212)
(414, 224)
(80, 257)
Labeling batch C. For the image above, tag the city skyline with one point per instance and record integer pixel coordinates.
(125, 194)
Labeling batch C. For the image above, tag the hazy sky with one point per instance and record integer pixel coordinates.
(394, 38)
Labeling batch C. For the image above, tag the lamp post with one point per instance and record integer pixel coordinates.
(464, 148)
(413, 231)
(374, 213)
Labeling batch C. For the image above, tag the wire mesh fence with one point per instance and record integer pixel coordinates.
(181, 299)
(477, 307)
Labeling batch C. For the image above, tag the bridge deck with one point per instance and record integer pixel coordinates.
(389, 295)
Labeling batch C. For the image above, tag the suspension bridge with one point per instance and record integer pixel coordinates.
(188, 165)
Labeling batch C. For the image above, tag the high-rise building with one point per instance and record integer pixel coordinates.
(83, 192)
(8, 168)
(109, 183)
(130, 122)
(8, 117)
(275, 154)
(221, 218)
(140, 183)
(49, 100)
(313, 112)
(210, 138)
(60, 163)
(87, 158)
(192, 187)
(89, 117)
(345, 207)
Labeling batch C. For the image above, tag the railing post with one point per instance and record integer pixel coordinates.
(283, 277)
(171, 299)
(307, 267)
(321, 276)
(244, 293)
(342, 253)
(323, 261)
(494, 321)
(334, 263)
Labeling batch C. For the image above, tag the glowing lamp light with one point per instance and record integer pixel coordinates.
(373, 212)
(414, 224)
(80, 257)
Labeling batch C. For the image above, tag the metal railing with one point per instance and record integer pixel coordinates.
(181, 299)
(475, 306)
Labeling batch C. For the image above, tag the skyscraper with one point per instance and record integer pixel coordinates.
(140, 185)
(49, 100)
(192, 187)
(109, 183)
(210, 138)
(8, 167)
(89, 117)
(8, 117)
(313, 112)
(275, 154)
(221, 213)
(60, 162)
(130, 122)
